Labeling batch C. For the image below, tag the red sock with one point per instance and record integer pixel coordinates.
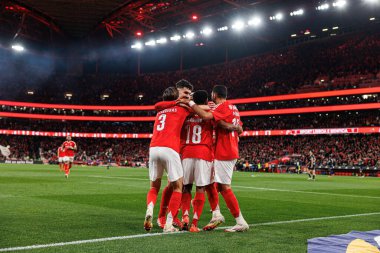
(175, 203)
(198, 203)
(185, 203)
(212, 195)
(151, 197)
(165, 198)
(67, 169)
(231, 201)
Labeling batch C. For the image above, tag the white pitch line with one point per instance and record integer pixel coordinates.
(40, 246)
(123, 178)
(263, 189)
(306, 192)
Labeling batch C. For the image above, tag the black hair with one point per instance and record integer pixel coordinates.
(170, 94)
(200, 97)
(184, 84)
(220, 91)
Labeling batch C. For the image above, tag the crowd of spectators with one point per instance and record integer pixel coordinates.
(344, 150)
(343, 62)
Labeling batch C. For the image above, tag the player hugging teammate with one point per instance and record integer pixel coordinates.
(184, 128)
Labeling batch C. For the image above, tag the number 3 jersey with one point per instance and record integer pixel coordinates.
(196, 139)
(167, 128)
(226, 142)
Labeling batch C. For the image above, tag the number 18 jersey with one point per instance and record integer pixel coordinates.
(197, 139)
(167, 128)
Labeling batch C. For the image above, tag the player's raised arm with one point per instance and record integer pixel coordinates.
(230, 127)
(206, 115)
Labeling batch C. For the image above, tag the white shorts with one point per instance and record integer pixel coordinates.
(197, 170)
(161, 159)
(68, 159)
(60, 159)
(223, 171)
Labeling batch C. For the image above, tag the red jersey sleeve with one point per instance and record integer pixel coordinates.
(221, 112)
(164, 105)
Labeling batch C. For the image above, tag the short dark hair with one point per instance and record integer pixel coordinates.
(170, 94)
(184, 84)
(220, 91)
(200, 97)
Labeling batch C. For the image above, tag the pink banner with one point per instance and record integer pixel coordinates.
(322, 131)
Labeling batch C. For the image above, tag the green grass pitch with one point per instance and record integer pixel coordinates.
(39, 206)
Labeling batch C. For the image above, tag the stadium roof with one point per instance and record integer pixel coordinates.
(59, 23)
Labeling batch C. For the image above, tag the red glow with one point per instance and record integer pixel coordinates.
(322, 94)
(249, 133)
(333, 108)
(138, 33)
(194, 17)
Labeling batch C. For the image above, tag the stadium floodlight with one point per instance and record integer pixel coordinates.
(189, 35)
(150, 43)
(372, 19)
(162, 40)
(30, 92)
(137, 45)
(238, 25)
(222, 29)
(255, 21)
(18, 48)
(175, 38)
(325, 29)
(293, 35)
(207, 31)
(299, 12)
(279, 16)
(335, 28)
(340, 3)
(323, 7)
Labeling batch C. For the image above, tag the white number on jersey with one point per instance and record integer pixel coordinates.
(162, 119)
(196, 135)
(235, 122)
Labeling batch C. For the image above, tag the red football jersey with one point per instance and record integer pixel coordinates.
(61, 152)
(226, 141)
(167, 128)
(66, 145)
(197, 140)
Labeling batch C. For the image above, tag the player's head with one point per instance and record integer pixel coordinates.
(310, 152)
(170, 94)
(184, 88)
(68, 138)
(200, 97)
(219, 91)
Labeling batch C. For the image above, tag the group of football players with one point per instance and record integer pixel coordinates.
(194, 141)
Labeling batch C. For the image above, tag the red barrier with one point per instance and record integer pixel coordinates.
(333, 108)
(325, 131)
(72, 117)
(233, 101)
(301, 110)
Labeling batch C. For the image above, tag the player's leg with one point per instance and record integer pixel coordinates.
(203, 175)
(155, 174)
(313, 171)
(198, 204)
(165, 198)
(223, 176)
(188, 179)
(175, 176)
(213, 199)
(66, 167)
(309, 173)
